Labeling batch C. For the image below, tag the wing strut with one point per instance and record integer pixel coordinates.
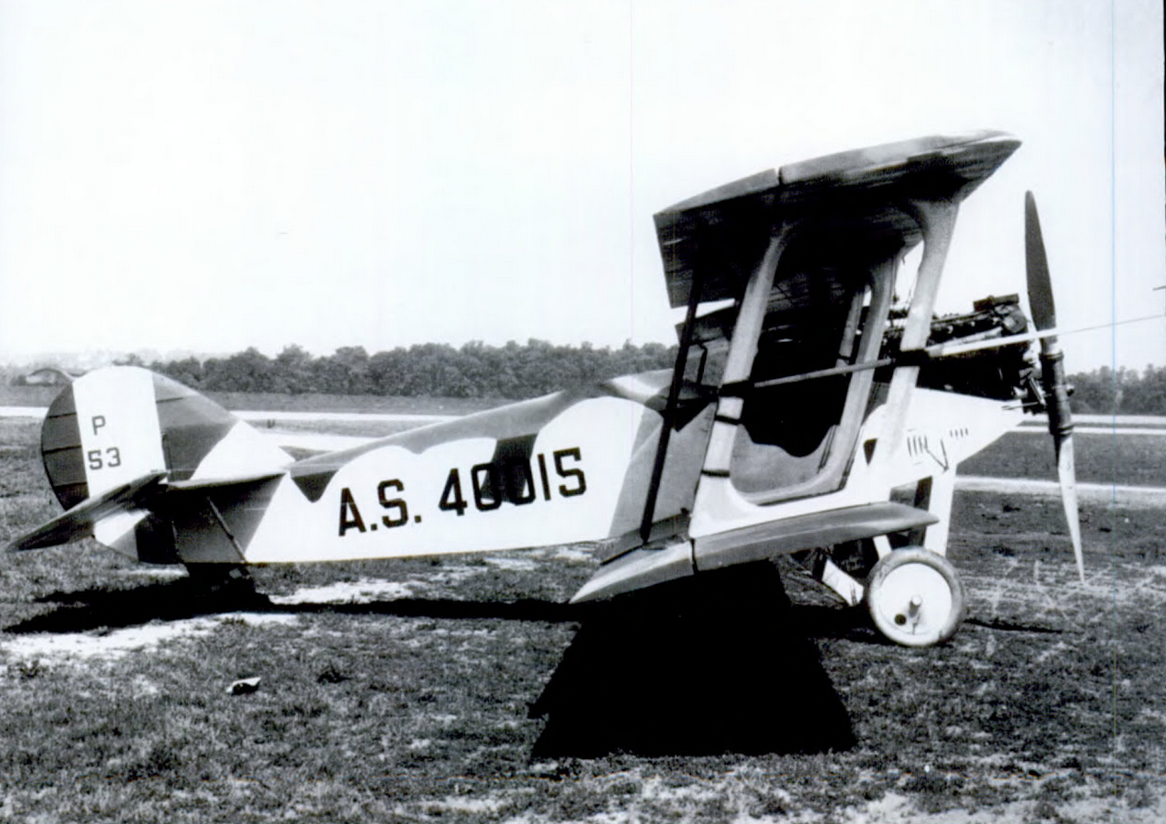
(673, 397)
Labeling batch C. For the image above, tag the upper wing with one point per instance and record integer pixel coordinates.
(846, 203)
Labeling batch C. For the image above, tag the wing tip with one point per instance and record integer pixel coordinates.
(638, 569)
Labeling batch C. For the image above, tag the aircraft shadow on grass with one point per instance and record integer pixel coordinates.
(700, 666)
(90, 609)
(708, 665)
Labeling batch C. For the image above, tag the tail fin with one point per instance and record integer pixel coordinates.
(117, 426)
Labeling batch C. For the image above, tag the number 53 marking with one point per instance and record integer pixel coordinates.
(111, 458)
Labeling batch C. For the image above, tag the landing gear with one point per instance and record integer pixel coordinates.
(915, 597)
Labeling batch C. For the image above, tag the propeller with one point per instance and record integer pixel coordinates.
(1040, 301)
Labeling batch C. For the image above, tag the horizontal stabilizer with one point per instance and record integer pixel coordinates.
(79, 521)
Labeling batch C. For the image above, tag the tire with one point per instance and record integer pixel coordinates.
(915, 597)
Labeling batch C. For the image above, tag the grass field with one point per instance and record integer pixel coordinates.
(466, 690)
(1137, 460)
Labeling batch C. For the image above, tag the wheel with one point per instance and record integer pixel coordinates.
(915, 597)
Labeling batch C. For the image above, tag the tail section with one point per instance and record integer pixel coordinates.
(118, 437)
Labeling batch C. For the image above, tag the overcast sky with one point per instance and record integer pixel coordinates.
(209, 176)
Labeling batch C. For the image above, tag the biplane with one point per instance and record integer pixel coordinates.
(813, 411)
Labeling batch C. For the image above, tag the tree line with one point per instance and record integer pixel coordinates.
(475, 370)
(1120, 391)
(516, 371)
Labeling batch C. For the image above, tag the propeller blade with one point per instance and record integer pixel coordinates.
(1040, 287)
(1052, 360)
(1067, 475)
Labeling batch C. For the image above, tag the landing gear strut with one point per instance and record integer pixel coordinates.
(223, 582)
(915, 597)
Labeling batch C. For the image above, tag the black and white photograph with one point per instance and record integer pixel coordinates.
(546, 411)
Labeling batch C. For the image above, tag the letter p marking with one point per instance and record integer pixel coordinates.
(98, 423)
